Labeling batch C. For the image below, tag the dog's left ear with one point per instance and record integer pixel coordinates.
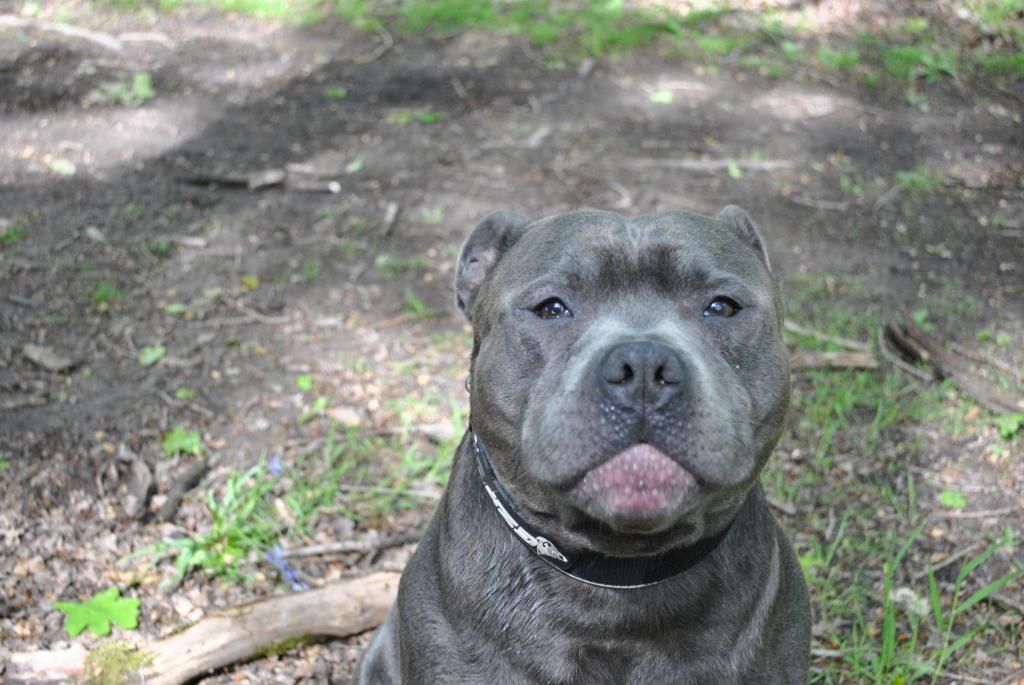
(481, 251)
(745, 229)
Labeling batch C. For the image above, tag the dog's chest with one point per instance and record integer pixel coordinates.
(624, 663)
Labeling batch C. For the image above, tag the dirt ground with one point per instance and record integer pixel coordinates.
(330, 273)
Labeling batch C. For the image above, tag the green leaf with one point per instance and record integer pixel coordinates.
(304, 382)
(151, 354)
(62, 167)
(142, 87)
(12, 234)
(428, 117)
(251, 281)
(661, 97)
(96, 614)
(179, 440)
(415, 305)
(432, 215)
(973, 563)
(337, 92)
(355, 165)
(936, 599)
(952, 499)
(963, 640)
(176, 308)
(734, 170)
(1009, 424)
(986, 591)
(318, 407)
(185, 393)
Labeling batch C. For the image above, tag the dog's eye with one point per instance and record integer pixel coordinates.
(722, 306)
(552, 308)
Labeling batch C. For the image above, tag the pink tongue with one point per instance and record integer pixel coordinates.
(640, 478)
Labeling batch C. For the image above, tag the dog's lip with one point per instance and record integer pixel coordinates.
(636, 486)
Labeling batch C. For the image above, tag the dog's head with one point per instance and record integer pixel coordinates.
(628, 376)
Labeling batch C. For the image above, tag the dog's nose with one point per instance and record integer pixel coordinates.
(642, 374)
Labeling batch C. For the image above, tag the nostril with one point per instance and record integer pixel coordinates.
(622, 375)
(664, 375)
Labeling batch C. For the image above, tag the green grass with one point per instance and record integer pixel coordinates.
(922, 178)
(422, 117)
(810, 300)
(912, 62)
(909, 51)
(126, 93)
(998, 15)
(416, 306)
(885, 614)
(899, 633)
(838, 59)
(106, 293)
(242, 522)
(13, 234)
(353, 475)
(595, 27)
(1011, 63)
(388, 265)
(180, 440)
(298, 10)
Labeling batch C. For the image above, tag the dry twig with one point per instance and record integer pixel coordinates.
(709, 164)
(917, 345)
(101, 39)
(234, 635)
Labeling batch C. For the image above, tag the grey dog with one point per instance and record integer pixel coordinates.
(603, 523)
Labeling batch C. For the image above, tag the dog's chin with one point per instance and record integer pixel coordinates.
(639, 491)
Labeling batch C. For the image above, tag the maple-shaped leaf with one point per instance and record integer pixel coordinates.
(97, 613)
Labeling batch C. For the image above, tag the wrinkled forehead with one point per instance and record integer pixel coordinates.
(666, 250)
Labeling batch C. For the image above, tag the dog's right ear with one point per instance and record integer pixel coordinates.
(481, 252)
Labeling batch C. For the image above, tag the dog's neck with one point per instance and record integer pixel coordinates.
(590, 567)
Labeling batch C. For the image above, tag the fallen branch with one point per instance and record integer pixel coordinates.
(370, 544)
(827, 205)
(985, 359)
(806, 359)
(101, 39)
(386, 43)
(302, 177)
(919, 347)
(824, 337)
(338, 610)
(893, 358)
(710, 164)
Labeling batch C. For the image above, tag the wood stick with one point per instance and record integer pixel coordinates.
(95, 37)
(340, 609)
(710, 164)
(806, 359)
(374, 544)
(985, 359)
(796, 328)
(894, 359)
(916, 344)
